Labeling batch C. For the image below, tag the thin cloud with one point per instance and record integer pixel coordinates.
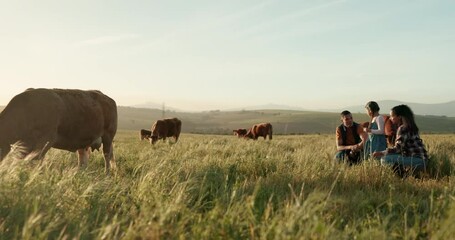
(107, 40)
(207, 25)
(291, 17)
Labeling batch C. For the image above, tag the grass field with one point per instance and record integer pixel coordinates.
(221, 187)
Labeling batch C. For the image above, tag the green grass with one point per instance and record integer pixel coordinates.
(222, 187)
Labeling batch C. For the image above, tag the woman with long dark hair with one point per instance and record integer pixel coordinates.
(408, 150)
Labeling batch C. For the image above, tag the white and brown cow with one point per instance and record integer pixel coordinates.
(260, 130)
(67, 119)
(240, 132)
(145, 134)
(169, 127)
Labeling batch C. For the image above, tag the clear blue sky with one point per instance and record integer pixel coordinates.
(203, 54)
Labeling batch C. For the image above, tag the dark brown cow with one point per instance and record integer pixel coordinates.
(73, 120)
(145, 134)
(240, 132)
(260, 130)
(169, 127)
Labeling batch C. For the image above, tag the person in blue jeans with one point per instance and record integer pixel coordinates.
(376, 136)
(408, 151)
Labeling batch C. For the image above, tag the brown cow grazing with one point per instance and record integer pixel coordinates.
(169, 127)
(72, 120)
(260, 130)
(240, 132)
(145, 134)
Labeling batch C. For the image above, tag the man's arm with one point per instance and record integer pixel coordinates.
(364, 137)
(341, 147)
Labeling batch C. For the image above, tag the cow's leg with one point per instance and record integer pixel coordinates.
(44, 150)
(108, 152)
(83, 155)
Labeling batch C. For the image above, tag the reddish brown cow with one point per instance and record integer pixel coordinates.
(67, 119)
(260, 130)
(169, 127)
(240, 132)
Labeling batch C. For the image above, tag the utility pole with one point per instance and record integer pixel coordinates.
(163, 113)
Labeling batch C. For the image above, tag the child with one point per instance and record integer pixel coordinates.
(376, 138)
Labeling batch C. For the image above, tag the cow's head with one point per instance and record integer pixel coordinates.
(145, 134)
(240, 132)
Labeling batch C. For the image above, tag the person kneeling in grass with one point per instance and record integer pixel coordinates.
(408, 152)
(350, 139)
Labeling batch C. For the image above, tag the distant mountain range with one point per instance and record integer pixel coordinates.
(270, 106)
(437, 109)
(153, 105)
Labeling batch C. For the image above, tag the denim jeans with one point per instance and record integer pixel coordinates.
(345, 156)
(416, 163)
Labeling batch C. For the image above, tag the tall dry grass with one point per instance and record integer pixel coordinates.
(221, 187)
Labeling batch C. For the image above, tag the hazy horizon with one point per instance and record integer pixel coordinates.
(205, 55)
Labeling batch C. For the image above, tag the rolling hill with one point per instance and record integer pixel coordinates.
(436, 109)
(283, 121)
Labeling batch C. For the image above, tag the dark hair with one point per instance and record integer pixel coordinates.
(407, 117)
(373, 106)
(344, 113)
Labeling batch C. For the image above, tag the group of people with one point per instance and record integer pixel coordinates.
(403, 149)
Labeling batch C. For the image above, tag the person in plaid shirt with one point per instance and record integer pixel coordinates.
(408, 151)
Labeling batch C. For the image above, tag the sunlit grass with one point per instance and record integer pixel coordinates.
(212, 187)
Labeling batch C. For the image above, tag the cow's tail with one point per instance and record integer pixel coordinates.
(270, 132)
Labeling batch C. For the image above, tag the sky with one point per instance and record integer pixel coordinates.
(208, 55)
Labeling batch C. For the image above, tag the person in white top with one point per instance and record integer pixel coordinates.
(376, 137)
